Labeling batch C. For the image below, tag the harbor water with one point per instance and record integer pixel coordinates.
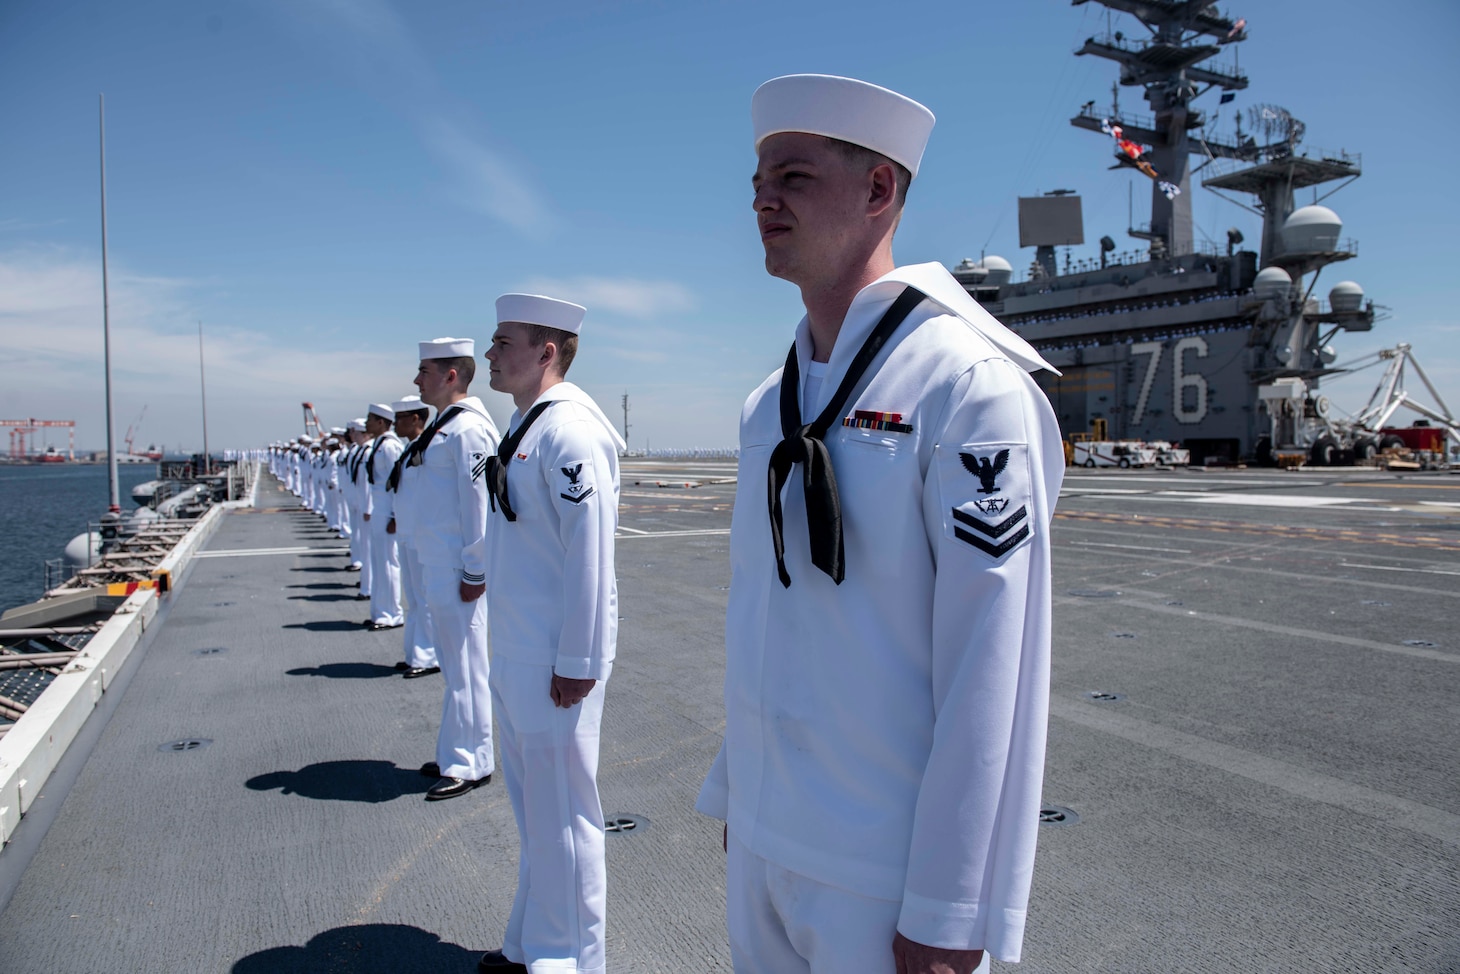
(43, 506)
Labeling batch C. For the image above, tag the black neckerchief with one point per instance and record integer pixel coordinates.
(497, 465)
(416, 452)
(355, 463)
(370, 463)
(392, 483)
(803, 445)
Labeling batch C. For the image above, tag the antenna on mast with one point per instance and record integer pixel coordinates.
(1172, 69)
(626, 418)
(203, 382)
(114, 503)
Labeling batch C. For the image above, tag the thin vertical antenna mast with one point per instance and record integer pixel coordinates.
(626, 419)
(203, 382)
(114, 497)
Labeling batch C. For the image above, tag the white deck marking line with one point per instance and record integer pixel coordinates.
(1217, 498)
(1261, 500)
(678, 534)
(1132, 547)
(250, 552)
(1418, 652)
(1295, 780)
(1068, 491)
(624, 527)
(680, 493)
(1198, 483)
(1393, 568)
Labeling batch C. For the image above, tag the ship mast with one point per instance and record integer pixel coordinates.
(113, 490)
(1167, 65)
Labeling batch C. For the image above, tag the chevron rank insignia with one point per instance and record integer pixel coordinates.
(478, 465)
(577, 489)
(988, 488)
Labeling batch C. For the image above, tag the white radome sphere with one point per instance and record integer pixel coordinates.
(1346, 296)
(1272, 282)
(82, 550)
(1000, 270)
(1312, 229)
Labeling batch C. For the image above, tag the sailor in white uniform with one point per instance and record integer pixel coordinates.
(385, 611)
(352, 492)
(553, 601)
(300, 466)
(306, 473)
(450, 540)
(347, 450)
(338, 512)
(888, 627)
(360, 487)
(296, 449)
(316, 478)
(329, 477)
(411, 419)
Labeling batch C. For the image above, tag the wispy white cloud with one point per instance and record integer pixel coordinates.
(385, 58)
(17, 225)
(51, 330)
(625, 296)
(485, 181)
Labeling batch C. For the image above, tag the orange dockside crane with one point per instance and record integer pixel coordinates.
(22, 429)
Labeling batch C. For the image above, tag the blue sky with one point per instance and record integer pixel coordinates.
(322, 183)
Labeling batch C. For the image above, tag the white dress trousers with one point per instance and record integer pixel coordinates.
(464, 745)
(558, 915)
(367, 567)
(358, 544)
(781, 922)
(420, 649)
(384, 571)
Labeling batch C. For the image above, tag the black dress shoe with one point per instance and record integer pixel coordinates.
(496, 962)
(362, 597)
(431, 770)
(416, 672)
(451, 787)
(377, 626)
(401, 664)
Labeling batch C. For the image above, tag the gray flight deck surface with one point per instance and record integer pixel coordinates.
(1275, 785)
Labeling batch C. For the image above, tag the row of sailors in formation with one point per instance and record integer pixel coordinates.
(885, 716)
(459, 533)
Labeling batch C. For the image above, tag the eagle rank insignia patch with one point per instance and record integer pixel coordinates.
(576, 489)
(990, 494)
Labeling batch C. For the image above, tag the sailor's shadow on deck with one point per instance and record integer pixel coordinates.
(326, 625)
(314, 585)
(345, 781)
(323, 597)
(345, 671)
(371, 948)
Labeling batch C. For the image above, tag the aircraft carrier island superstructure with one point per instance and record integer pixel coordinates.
(1218, 347)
